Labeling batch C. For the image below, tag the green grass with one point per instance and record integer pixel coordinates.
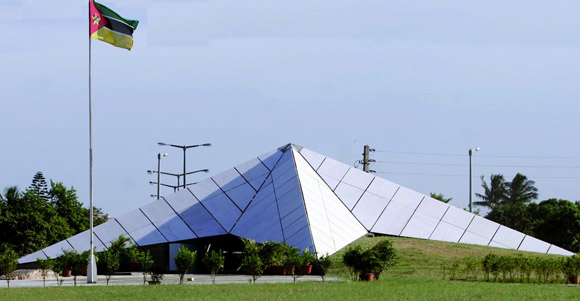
(417, 276)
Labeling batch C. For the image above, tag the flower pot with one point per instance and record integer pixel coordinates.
(279, 269)
(292, 271)
(367, 277)
(85, 271)
(66, 273)
(574, 279)
(307, 269)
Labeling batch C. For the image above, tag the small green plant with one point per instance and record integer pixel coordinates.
(145, 264)
(157, 271)
(8, 264)
(253, 266)
(45, 266)
(571, 268)
(110, 263)
(293, 262)
(78, 263)
(352, 259)
(470, 267)
(185, 260)
(386, 255)
(308, 257)
(321, 265)
(214, 261)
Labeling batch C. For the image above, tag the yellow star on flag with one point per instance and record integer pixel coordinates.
(96, 19)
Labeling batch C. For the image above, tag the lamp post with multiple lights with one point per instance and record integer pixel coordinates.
(159, 156)
(176, 175)
(471, 150)
(184, 148)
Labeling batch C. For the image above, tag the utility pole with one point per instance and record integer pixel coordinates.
(366, 158)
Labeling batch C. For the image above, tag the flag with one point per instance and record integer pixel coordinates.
(108, 26)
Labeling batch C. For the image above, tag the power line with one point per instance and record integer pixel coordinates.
(485, 156)
(480, 165)
(466, 176)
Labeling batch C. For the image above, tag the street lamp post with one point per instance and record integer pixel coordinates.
(184, 148)
(159, 156)
(471, 150)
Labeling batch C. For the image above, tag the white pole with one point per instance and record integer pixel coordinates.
(92, 268)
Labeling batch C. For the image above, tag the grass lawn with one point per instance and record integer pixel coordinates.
(417, 276)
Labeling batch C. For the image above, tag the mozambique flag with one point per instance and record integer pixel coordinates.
(108, 26)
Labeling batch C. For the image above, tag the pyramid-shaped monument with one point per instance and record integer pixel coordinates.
(305, 199)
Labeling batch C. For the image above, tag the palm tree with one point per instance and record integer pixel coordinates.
(493, 194)
(11, 195)
(520, 190)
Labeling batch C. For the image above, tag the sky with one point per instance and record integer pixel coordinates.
(421, 82)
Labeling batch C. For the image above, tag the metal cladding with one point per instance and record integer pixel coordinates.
(305, 199)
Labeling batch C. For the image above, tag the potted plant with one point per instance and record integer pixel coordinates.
(214, 261)
(132, 258)
(293, 263)
(66, 262)
(307, 260)
(78, 263)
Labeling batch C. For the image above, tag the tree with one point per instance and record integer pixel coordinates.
(516, 216)
(185, 260)
(39, 186)
(321, 265)
(440, 197)
(8, 264)
(557, 222)
(44, 265)
(214, 261)
(145, 264)
(520, 190)
(493, 194)
(109, 262)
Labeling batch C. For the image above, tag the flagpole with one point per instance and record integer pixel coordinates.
(92, 268)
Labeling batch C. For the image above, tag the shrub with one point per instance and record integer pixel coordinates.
(214, 261)
(8, 264)
(185, 260)
(352, 258)
(45, 266)
(109, 262)
(321, 265)
(489, 265)
(386, 255)
(571, 268)
(470, 267)
(253, 265)
(145, 264)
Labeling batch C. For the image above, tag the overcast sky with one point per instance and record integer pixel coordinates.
(435, 77)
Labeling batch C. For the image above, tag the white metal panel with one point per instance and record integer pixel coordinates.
(55, 250)
(180, 200)
(241, 195)
(330, 182)
(205, 189)
(559, 251)
(420, 226)
(393, 219)
(174, 229)
(254, 172)
(407, 197)
(133, 220)
(201, 221)
(82, 241)
(109, 231)
(157, 210)
(508, 237)
(229, 179)
(470, 238)
(368, 209)
(358, 178)
(147, 235)
(432, 207)
(348, 194)
(483, 227)
(447, 232)
(331, 224)
(270, 158)
(224, 211)
(498, 245)
(313, 158)
(383, 188)
(333, 169)
(532, 244)
(32, 257)
(458, 217)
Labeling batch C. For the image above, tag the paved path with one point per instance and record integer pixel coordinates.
(137, 279)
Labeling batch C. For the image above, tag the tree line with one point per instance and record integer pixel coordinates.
(41, 215)
(554, 220)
